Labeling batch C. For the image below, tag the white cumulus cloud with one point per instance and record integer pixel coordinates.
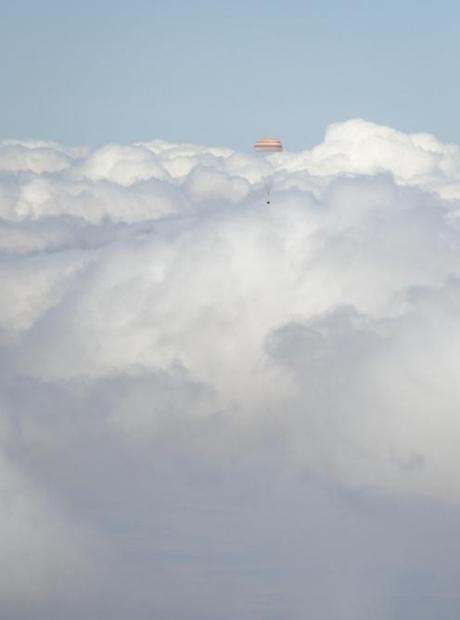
(227, 408)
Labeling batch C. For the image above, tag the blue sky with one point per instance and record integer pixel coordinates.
(226, 72)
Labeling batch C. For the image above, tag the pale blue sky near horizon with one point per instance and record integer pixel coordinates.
(225, 73)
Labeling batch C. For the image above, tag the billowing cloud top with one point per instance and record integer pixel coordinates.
(191, 376)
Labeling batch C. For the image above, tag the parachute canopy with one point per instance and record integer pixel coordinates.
(268, 145)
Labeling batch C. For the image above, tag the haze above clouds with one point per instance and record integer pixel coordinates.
(216, 408)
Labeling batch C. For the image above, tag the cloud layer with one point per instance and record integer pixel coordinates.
(215, 408)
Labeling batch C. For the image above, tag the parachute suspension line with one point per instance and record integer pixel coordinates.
(267, 190)
(267, 179)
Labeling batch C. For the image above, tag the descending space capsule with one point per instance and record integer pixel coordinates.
(264, 147)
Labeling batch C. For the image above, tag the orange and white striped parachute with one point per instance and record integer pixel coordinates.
(268, 145)
(265, 147)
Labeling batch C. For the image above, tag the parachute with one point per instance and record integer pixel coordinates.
(264, 148)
